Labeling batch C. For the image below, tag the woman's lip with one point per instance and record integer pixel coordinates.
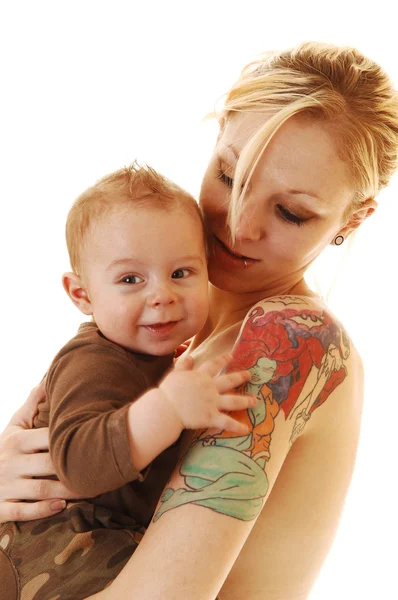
(239, 257)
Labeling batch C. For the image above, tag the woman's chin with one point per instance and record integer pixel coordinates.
(227, 281)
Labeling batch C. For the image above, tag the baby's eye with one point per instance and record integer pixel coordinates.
(180, 273)
(132, 279)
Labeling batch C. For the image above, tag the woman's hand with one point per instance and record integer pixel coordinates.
(24, 459)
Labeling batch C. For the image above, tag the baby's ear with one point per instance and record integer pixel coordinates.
(77, 292)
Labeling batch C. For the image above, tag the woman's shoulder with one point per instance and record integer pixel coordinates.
(302, 353)
(288, 301)
(293, 329)
(302, 314)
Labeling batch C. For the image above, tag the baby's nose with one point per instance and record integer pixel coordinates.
(162, 296)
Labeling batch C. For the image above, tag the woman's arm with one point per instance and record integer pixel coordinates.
(294, 532)
(24, 459)
(299, 357)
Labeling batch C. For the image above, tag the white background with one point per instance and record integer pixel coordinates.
(86, 87)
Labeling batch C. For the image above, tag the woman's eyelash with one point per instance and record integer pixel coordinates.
(290, 217)
(225, 179)
(286, 214)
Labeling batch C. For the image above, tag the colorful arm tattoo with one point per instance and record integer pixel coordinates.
(296, 357)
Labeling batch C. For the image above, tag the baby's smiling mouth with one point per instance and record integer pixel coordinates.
(164, 327)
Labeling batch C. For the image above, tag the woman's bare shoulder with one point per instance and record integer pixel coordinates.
(309, 313)
(288, 302)
(309, 353)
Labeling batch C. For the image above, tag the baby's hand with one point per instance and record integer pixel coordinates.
(200, 396)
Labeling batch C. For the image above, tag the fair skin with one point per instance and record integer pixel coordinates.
(299, 178)
(147, 292)
(278, 552)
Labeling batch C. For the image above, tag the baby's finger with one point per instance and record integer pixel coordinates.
(226, 423)
(230, 381)
(236, 402)
(213, 367)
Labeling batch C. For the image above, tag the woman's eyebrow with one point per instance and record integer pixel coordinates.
(293, 192)
(236, 153)
(305, 193)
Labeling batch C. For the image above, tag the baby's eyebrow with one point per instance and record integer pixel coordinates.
(140, 263)
(191, 258)
(124, 261)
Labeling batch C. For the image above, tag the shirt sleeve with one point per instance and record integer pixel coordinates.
(90, 390)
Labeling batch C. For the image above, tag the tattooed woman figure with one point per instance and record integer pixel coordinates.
(307, 139)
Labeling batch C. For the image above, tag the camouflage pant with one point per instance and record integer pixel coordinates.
(65, 557)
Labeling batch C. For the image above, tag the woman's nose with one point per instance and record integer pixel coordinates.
(249, 227)
(250, 224)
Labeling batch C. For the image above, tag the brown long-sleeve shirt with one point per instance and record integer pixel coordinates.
(90, 384)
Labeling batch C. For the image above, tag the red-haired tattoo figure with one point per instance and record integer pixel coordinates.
(296, 357)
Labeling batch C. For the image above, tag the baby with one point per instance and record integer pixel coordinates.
(137, 252)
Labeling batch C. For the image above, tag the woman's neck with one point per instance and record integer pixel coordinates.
(227, 309)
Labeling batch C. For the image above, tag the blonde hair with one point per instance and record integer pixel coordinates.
(336, 84)
(133, 186)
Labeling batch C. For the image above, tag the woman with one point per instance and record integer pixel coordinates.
(307, 139)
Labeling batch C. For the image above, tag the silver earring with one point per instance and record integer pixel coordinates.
(338, 240)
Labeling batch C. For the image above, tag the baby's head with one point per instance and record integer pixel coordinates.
(137, 252)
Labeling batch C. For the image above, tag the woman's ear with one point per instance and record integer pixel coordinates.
(366, 209)
(77, 292)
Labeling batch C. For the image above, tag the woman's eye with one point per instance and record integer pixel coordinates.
(225, 179)
(131, 279)
(180, 273)
(289, 216)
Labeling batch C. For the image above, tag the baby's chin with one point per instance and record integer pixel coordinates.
(164, 350)
(151, 350)
(160, 348)
(155, 340)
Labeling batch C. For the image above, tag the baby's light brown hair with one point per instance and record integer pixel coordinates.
(134, 186)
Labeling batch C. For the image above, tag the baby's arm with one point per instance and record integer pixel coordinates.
(186, 399)
(100, 439)
(89, 390)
